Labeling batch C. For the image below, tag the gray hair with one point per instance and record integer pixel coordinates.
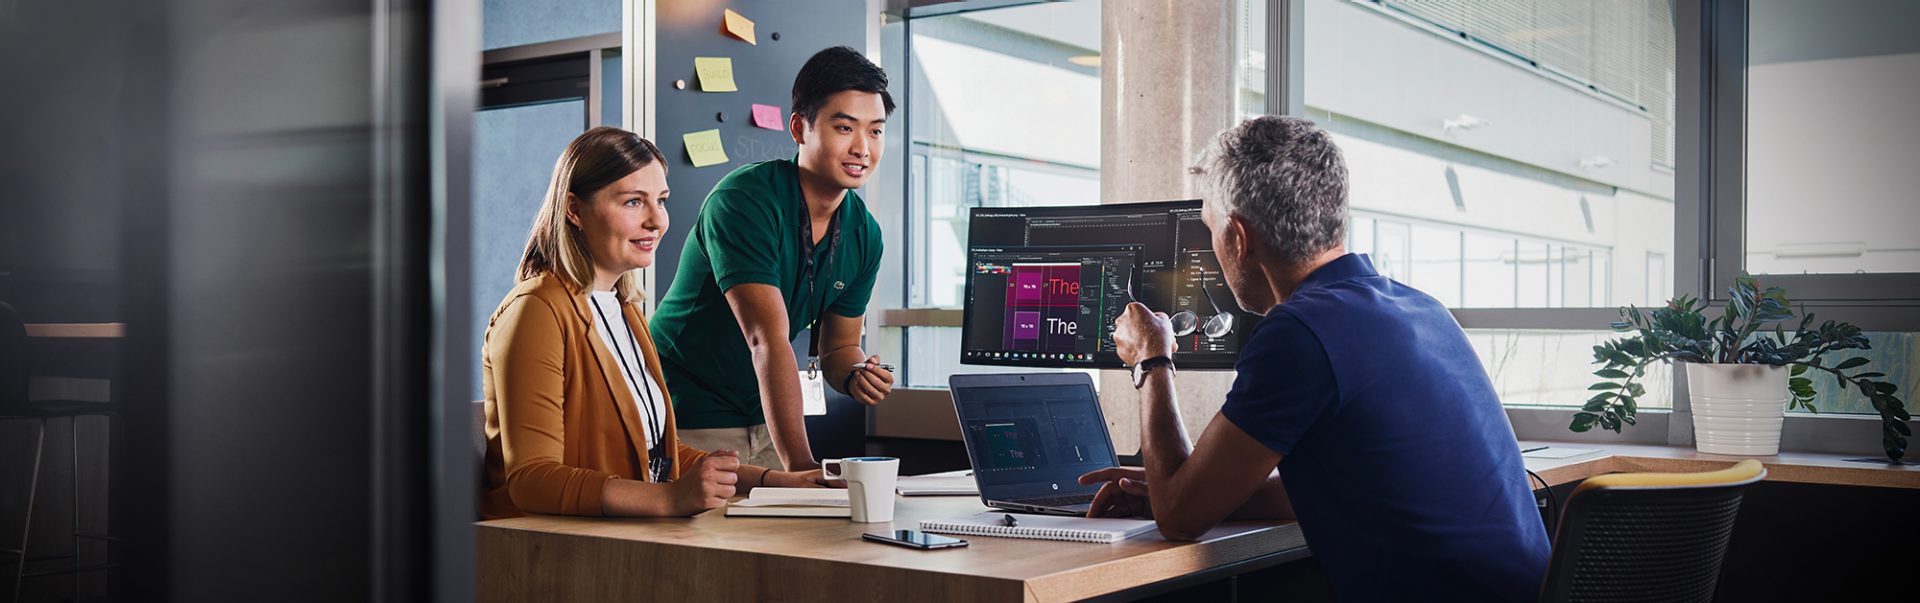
(1285, 178)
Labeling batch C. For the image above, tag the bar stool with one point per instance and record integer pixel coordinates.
(14, 405)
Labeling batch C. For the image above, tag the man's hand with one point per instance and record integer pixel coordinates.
(1140, 334)
(707, 484)
(1123, 495)
(872, 384)
(797, 479)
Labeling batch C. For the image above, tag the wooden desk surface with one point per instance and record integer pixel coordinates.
(714, 557)
(1799, 467)
(77, 330)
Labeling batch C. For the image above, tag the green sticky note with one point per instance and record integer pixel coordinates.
(704, 148)
(716, 74)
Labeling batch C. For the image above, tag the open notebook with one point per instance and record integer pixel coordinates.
(1043, 527)
(792, 502)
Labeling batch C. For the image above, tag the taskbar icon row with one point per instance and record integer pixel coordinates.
(984, 355)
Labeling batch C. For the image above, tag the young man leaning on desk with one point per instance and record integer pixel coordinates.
(1390, 445)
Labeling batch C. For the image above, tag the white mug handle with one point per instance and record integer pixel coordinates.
(827, 473)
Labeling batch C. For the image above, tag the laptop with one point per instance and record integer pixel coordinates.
(1030, 436)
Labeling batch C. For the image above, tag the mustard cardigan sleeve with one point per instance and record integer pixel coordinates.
(527, 346)
(686, 457)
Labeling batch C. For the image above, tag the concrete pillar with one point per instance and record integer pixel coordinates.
(1166, 88)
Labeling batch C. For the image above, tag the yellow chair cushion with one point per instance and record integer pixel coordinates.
(1740, 472)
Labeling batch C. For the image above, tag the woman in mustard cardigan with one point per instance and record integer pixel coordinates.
(577, 420)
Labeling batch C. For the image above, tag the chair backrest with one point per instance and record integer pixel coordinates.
(13, 358)
(1647, 536)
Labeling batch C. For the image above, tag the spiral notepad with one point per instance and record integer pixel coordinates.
(1042, 527)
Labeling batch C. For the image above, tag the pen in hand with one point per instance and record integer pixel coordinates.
(882, 366)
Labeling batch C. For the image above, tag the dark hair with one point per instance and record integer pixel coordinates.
(833, 71)
(593, 161)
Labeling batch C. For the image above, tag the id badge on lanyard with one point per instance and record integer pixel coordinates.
(813, 387)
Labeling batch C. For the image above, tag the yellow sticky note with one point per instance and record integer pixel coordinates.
(740, 27)
(716, 74)
(704, 148)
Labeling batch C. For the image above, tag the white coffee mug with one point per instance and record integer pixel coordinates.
(870, 482)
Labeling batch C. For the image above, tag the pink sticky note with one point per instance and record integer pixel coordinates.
(767, 116)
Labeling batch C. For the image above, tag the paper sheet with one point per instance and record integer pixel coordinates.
(767, 116)
(1556, 452)
(716, 74)
(739, 27)
(704, 148)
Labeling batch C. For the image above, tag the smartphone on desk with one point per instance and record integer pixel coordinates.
(915, 539)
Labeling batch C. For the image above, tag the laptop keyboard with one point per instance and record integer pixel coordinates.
(1059, 501)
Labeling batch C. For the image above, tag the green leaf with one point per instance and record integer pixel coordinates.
(1636, 390)
(1611, 374)
(1582, 422)
(1603, 385)
(1595, 406)
(1885, 388)
(1852, 362)
(1796, 370)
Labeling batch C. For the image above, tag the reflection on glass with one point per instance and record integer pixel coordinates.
(1531, 137)
(1896, 354)
(1531, 263)
(1831, 137)
(1490, 265)
(1553, 368)
(1436, 267)
(1003, 108)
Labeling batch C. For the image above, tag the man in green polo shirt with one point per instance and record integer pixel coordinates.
(778, 247)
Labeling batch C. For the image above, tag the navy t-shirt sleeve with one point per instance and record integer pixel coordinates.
(1283, 384)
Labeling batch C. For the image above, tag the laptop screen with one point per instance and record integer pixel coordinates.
(1033, 440)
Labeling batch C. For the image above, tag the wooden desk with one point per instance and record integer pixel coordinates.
(1806, 468)
(714, 557)
(77, 330)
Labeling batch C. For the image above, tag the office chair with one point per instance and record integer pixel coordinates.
(1647, 536)
(15, 405)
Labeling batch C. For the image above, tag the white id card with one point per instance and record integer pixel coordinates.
(813, 393)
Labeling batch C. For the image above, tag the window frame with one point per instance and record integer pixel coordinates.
(1874, 302)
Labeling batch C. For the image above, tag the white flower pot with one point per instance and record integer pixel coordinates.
(1737, 408)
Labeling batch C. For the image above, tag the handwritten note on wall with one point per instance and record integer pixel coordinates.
(716, 74)
(704, 148)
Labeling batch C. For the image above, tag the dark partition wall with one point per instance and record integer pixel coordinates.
(250, 188)
(764, 75)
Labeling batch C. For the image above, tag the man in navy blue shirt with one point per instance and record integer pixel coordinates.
(1390, 445)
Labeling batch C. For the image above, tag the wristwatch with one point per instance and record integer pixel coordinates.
(1141, 369)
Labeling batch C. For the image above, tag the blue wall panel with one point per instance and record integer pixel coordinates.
(507, 23)
(513, 154)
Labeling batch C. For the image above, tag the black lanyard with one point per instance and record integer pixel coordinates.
(658, 465)
(807, 273)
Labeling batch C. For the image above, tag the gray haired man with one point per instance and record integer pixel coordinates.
(1358, 408)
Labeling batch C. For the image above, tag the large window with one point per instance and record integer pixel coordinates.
(1005, 112)
(1831, 137)
(1512, 154)
(1503, 154)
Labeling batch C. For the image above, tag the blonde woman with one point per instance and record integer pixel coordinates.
(578, 422)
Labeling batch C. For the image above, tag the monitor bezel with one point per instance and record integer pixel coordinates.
(1103, 360)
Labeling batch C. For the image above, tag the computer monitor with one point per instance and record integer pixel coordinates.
(1044, 284)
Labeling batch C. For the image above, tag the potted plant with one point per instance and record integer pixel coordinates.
(1742, 376)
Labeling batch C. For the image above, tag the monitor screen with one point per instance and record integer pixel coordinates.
(1044, 284)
